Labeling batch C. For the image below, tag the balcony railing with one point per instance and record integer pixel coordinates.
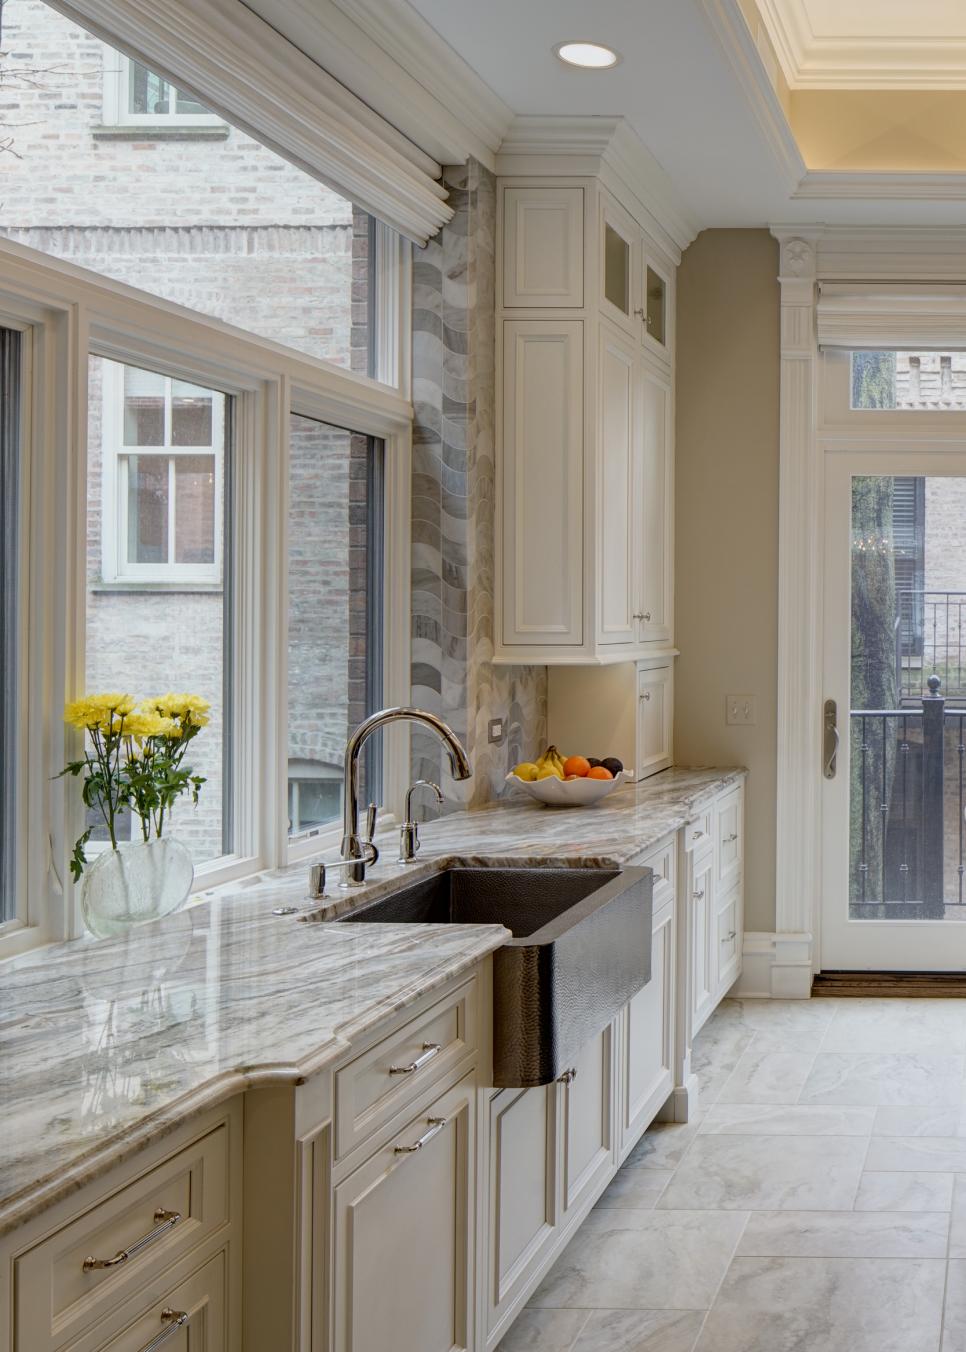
(908, 794)
(930, 639)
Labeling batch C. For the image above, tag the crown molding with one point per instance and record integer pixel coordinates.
(729, 26)
(911, 187)
(888, 253)
(245, 70)
(608, 148)
(395, 60)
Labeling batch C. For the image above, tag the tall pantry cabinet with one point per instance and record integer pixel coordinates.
(585, 477)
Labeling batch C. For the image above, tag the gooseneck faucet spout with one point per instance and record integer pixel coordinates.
(353, 848)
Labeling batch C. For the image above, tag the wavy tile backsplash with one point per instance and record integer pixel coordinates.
(454, 392)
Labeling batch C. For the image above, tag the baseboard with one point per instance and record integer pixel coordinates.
(775, 967)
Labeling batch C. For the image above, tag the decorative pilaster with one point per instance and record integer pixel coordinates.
(799, 624)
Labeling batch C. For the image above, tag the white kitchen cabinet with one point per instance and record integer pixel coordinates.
(588, 1118)
(655, 717)
(700, 901)
(403, 1252)
(585, 456)
(625, 710)
(647, 1042)
(541, 486)
(523, 1203)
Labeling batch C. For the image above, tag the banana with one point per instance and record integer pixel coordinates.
(551, 758)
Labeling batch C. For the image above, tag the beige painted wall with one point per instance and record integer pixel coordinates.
(726, 564)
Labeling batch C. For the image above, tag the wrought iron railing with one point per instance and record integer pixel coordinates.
(908, 795)
(930, 639)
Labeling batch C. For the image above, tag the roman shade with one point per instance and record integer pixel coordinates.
(892, 317)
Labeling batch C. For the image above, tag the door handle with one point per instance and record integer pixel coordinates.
(830, 739)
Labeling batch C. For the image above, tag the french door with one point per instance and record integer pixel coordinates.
(893, 759)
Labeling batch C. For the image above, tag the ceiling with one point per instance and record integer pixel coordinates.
(863, 44)
(677, 88)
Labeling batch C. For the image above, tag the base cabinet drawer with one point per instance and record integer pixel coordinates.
(113, 1251)
(191, 1317)
(403, 1243)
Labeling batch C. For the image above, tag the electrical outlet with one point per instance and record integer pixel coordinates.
(741, 710)
(496, 730)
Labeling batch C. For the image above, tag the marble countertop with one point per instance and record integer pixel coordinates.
(105, 1045)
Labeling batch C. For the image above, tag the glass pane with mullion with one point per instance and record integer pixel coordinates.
(149, 93)
(191, 415)
(10, 537)
(335, 527)
(145, 399)
(163, 636)
(185, 104)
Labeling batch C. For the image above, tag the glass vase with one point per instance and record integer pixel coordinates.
(141, 880)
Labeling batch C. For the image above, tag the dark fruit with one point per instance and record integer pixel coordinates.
(592, 761)
(612, 764)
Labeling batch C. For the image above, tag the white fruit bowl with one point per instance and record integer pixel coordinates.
(568, 792)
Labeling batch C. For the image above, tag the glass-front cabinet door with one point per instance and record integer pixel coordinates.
(620, 253)
(656, 307)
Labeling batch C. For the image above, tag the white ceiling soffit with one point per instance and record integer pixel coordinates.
(869, 44)
(243, 68)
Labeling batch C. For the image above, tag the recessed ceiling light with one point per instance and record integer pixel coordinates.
(590, 55)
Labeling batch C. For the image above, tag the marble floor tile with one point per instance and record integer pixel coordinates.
(768, 1173)
(788, 1024)
(957, 1221)
(544, 1331)
(766, 1075)
(738, 1119)
(636, 1187)
(645, 1260)
(844, 1234)
(827, 1305)
(917, 1121)
(896, 1026)
(904, 1191)
(663, 1145)
(954, 1314)
(640, 1331)
(885, 1079)
(945, 1154)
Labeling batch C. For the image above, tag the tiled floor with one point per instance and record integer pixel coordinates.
(818, 1204)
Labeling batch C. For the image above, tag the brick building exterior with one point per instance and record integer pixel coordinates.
(200, 214)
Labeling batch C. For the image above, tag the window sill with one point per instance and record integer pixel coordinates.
(139, 588)
(152, 131)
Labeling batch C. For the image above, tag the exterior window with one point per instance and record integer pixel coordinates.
(927, 382)
(137, 96)
(163, 450)
(335, 530)
(156, 505)
(10, 536)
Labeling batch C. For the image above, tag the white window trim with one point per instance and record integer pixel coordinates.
(117, 112)
(72, 312)
(116, 567)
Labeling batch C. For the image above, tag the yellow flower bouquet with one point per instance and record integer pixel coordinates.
(134, 759)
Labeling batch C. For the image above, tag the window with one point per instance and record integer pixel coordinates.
(163, 452)
(911, 381)
(156, 507)
(335, 532)
(10, 573)
(143, 98)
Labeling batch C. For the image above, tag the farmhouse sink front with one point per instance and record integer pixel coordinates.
(581, 948)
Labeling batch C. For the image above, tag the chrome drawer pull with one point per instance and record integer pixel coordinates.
(163, 1222)
(175, 1319)
(728, 937)
(436, 1125)
(728, 840)
(430, 1049)
(696, 835)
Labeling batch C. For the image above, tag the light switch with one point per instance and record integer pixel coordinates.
(495, 730)
(741, 709)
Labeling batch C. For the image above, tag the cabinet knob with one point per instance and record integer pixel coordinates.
(568, 1076)
(699, 896)
(646, 695)
(642, 615)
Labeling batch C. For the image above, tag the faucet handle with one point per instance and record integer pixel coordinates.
(371, 811)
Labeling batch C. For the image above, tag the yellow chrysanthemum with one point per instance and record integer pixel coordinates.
(143, 723)
(98, 711)
(184, 707)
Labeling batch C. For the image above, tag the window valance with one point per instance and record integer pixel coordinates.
(916, 317)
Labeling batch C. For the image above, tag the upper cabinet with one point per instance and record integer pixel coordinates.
(585, 468)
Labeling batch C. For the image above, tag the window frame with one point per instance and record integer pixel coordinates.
(117, 111)
(73, 313)
(116, 566)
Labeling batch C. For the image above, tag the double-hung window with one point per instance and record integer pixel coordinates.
(163, 446)
(136, 96)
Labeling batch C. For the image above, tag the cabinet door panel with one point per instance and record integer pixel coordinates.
(703, 935)
(523, 1205)
(542, 483)
(728, 942)
(404, 1237)
(543, 247)
(587, 1118)
(729, 838)
(617, 393)
(648, 1047)
(655, 504)
(655, 693)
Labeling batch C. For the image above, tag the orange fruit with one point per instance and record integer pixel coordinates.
(599, 772)
(576, 766)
